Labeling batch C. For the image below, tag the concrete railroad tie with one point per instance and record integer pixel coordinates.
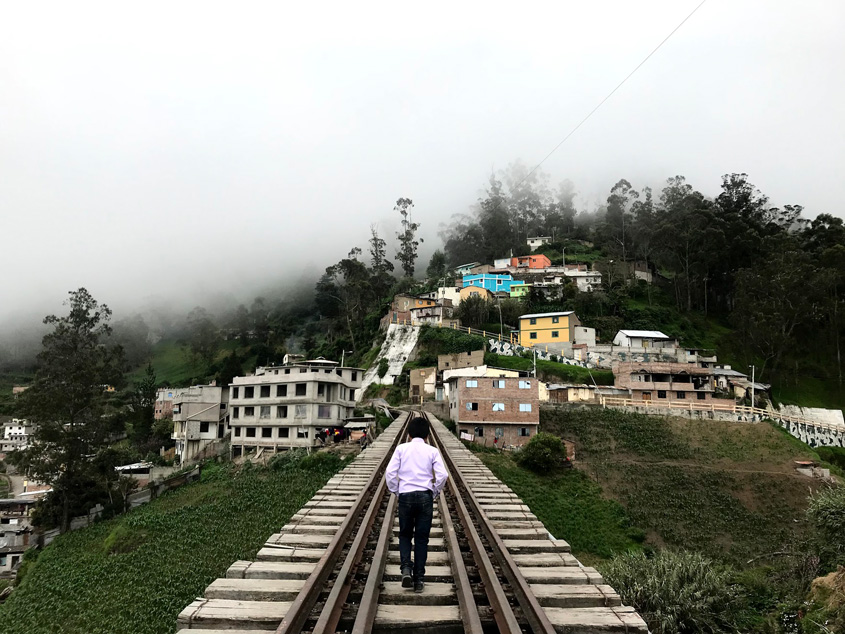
(256, 595)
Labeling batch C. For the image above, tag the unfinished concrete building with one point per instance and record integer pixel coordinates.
(279, 408)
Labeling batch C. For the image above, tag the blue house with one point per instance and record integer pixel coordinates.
(492, 282)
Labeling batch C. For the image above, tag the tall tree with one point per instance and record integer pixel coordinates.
(381, 268)
(436, 271)
(408, 242)
(203, 336)
(67, 402)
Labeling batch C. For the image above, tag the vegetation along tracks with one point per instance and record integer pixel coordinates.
(492, 565)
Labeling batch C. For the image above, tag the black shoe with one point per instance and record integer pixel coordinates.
(419, 586)
(407, 580)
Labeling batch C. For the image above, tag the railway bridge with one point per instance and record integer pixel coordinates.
(492, 565)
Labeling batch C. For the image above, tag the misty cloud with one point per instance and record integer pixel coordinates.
(173, 154)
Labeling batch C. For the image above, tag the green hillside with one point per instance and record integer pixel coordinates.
(135, 573)
(729, 490)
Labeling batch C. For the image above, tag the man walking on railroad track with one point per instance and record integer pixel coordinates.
(416, 474)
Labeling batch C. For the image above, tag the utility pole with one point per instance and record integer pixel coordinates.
(343, 356)
(535, 362)
(752, 385)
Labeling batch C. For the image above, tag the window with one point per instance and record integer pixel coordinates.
(555, 320)
(266, 432)
(324, 411)
(300, 389)
(701, 396)
(525, 385)
(300, 412)
(532, 335)
(351, 395)
(302, 432)
(235, 392)
(525, 407)
(264, 411)
(498, 407)
(236, 412)
(284, 432)
(282, 411)
(249, 411)
(681, 394)
(250, 432)
(281, 390)
(204, 427)
(287, 371)
(498, 383)
(500, 431)
(354, 376)
(472, 382)
(479, 431)
(472, 407)
(661, 393)
(3, 560)
(524, 432)
(237, 432)
(249, 392)
(555, 334)
(265, 391)
(321, 389)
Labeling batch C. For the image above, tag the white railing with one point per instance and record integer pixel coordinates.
(712, 406)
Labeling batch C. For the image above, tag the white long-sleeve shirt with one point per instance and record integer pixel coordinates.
(416, 466)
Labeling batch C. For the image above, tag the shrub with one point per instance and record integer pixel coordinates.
(123, 539)
(382, 367)
(544, 453)
(827, 516)
(675, 592)
(287, 460)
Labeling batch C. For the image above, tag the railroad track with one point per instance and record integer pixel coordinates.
(492, 565)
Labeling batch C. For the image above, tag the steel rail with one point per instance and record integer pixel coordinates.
(369, 599)
(503, 613)
(302, 606)
(531, 608)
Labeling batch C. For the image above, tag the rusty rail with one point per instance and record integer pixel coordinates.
(502, 610)
(303, 605)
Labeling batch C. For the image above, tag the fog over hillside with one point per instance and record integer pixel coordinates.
(204, 153)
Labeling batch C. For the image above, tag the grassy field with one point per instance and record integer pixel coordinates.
(135, 573)
(729, 490)
(571, 506)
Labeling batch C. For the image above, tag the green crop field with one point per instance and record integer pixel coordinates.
(135, 573)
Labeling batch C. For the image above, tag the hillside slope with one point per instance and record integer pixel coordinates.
(726, 489)
(135, 573)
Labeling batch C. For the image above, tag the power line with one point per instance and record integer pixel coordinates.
(610, 94)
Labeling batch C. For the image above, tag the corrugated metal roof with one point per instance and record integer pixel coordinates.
(645, 334)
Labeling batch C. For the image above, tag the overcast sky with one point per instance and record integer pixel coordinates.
(172, 149)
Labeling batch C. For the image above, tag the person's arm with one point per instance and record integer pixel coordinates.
(391, 474)
(440, 473)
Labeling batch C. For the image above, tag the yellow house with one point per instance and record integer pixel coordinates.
(469, 291)
(546, 328)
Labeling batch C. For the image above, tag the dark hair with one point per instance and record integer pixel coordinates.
(418, 428)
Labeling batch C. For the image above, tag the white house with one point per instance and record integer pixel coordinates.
(586, 281)
(281, 407)
(538, 241)
(643, 339)
(16, 433)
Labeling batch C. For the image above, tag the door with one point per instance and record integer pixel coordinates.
(646, 396)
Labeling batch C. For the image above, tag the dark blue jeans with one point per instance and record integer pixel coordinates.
(415, 511)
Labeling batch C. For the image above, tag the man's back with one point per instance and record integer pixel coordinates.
(415, 466)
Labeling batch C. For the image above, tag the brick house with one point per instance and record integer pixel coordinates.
(504, 410)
